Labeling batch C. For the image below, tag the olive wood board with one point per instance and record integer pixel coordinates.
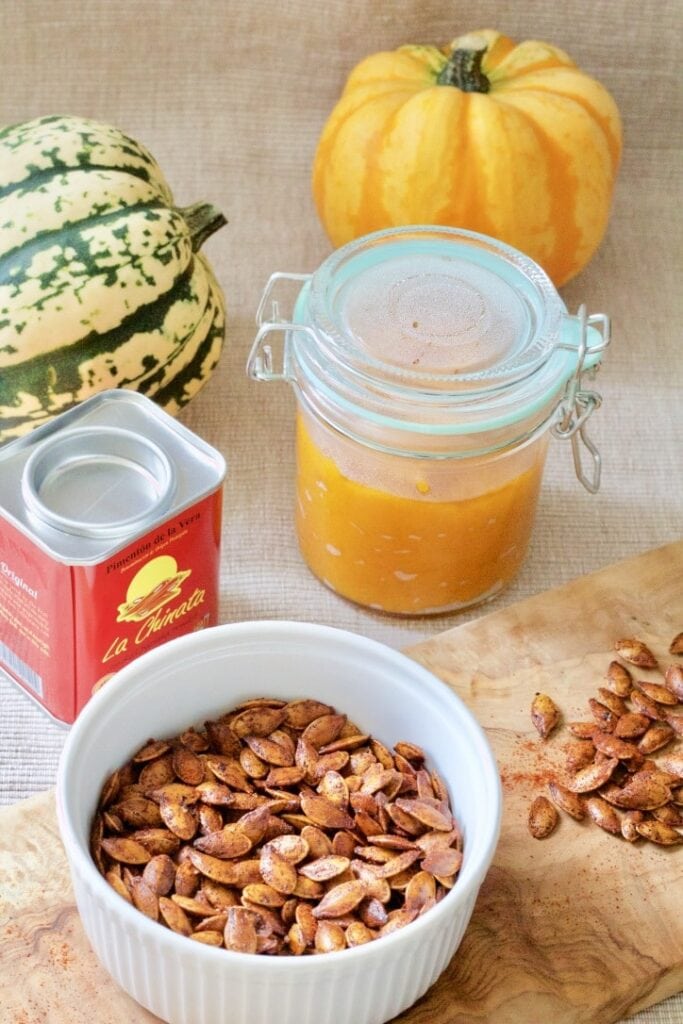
(580, 928)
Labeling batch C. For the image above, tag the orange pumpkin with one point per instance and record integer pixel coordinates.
(513, 141)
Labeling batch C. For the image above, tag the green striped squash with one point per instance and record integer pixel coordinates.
(101, 281)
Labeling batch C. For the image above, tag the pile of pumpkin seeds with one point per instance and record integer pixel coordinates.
(611, 776)
(278, 828)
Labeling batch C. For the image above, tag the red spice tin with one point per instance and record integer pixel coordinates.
(110, 522)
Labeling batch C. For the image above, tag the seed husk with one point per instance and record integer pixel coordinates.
(229, 771)
(672, 763)
(263, 895)
(673, 680)
(658, 693)
(398, 863)
(372, 913)
(603, 814)
(306, 921)
(324, 868)
(340, 900)
(669, 814)
(426, 814)
(659, 832)
(186, 879)
(344, 743)
(181, 820)
(542, 818)
(296, 941)
(208, 938)
(579, 753)
(676, 723)
(593, 776)
(619, 679)
(271, 751)
(642, 792)
(629, 821)
(210, 819)
(357, 934)
(144, 898)
(615, 703)
(442, 861)
(194, 740)
(410, 751)
(223, 871)
(635, 652)
(228, 843)
(544, 714)
(138, 811)
(398, 919)
(611, 745)
(151, 750)
(198, 906)
(240, 930)
(324, 729)
(292, 847)
(676, 645)
(644, 705)
(657, 736)
(582, 730)
(604, 716)
(110, 789)
(258, 721)
(125, 850)
(118, 885)
(631, 725)
(570, 803)
(334, 788)
(300, 713)
(159, 874)
(277, 872)
(188, 766)
(324, 813)
(329, 937)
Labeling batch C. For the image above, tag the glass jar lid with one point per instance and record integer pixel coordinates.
(436, 307)
(432, 341)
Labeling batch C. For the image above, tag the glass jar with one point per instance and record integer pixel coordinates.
(431, 366)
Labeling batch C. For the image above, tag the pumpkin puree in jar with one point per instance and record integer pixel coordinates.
(403, 555)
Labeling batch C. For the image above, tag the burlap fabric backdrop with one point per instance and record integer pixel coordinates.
(230, 97)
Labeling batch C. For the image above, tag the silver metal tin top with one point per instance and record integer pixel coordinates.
(94, 479)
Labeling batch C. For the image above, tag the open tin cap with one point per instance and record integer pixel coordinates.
(97, 482)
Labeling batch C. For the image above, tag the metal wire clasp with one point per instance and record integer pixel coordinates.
(260, 363)
(578, 404)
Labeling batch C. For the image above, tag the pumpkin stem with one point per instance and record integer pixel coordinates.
(202, 220)
(463, 70)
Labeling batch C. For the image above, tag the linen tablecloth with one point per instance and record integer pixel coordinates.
(230, 97)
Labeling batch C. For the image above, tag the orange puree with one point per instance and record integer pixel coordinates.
(409, 555)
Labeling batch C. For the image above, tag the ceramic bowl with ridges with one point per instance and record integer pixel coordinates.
(199, 676)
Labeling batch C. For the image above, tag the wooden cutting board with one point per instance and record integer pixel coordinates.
(580, 928)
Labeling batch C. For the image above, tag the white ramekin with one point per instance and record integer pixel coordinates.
(197, 677)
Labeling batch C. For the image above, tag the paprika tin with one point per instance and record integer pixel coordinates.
(110, 521)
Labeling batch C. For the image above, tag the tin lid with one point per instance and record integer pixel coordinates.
(88, 483)
(97, 482)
